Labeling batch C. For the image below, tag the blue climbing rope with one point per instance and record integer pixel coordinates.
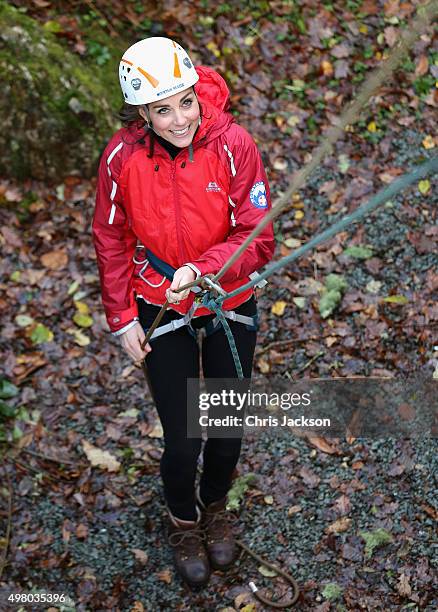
(215, 303)
(212, 304)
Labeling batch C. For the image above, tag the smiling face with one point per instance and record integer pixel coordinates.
(175, 118)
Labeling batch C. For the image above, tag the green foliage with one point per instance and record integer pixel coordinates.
(63, 98)
(99, 52)
(424, 84)
(41, 334)
(335, 282)
(335, 285)
(7, 389)
(238, 490)
(359, 252)
(332, 591)
(7, 411)
(375, 539)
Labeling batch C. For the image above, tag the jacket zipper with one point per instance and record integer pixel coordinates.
(177, 209)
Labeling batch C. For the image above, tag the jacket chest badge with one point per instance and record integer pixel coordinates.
(213, 186)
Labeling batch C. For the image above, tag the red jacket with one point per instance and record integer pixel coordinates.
(184, 211)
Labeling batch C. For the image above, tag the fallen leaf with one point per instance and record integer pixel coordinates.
(165, 576)
(140, 555)
(309, 477)
(268, 500)
(428, 142)
(82, 307)
(27, 364)
(267, 571)
(55, 260)
(11, 237)
(81, 531)
(322, 444)
(13, 194)
(100, 458)
(343, 163)
(24, 320)
(340, 51)
(430, 510)
(280, 164)
(242, 599)
(396, 299)
(340, 525)
(403, 586)
(82, 320)
(80, 338)
(137, 607)
(422, 66)
(308, 286)
(292, 243)
(300, 302)
(372, 126)
(342, 504)
(293, 120)
(156, 431)
(327, 68)
(342, 69)
(39, 334)
(424, 187)
(391, 36)
(293, 510)
(263, 365)
(278, 308)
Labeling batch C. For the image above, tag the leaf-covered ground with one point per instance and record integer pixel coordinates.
(353, 520)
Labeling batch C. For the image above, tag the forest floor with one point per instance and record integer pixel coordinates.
(353, 519)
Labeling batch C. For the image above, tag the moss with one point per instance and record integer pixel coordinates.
(58, 109)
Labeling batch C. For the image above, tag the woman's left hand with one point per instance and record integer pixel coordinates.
(182, 276)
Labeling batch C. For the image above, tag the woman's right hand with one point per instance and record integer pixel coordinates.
(131, 342)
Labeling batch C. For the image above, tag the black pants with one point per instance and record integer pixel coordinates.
(175, 358)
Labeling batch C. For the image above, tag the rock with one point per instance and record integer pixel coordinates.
(56, 111)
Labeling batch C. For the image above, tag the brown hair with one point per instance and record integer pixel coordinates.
(129, 113)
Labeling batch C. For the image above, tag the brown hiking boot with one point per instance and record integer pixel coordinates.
(189, 555)
(221, 545)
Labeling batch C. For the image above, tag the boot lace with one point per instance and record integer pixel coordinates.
(219, 525)
(189, 539)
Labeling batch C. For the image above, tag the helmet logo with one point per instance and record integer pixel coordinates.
(187, 62)
(136, 84)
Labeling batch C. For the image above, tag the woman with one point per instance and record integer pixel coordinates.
(180, 187)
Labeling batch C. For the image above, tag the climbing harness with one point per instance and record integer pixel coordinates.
(167, 271)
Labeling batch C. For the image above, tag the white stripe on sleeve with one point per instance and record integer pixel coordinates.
(113, 191)
(112, 214)
(113, 152)
(230, 155)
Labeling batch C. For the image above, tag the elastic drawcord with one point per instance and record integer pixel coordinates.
(191, 153)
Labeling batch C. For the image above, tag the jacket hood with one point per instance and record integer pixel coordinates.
(214, 97)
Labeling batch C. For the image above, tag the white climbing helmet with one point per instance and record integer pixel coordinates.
(155, 68)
